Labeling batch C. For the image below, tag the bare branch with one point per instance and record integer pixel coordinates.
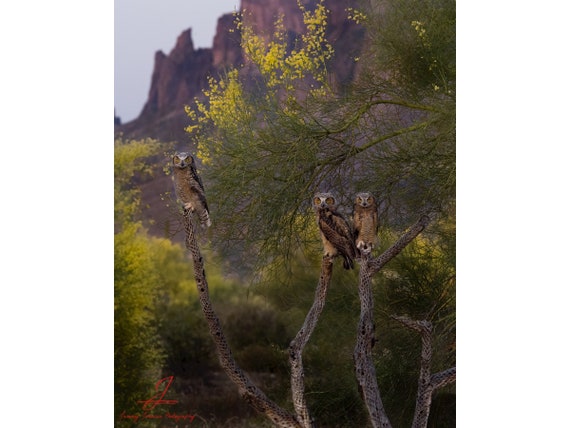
(299, 342)
(379, 262)
(443, 378)
(247, 389)
(419, 326)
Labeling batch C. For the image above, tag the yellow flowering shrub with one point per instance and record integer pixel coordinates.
(283, 70)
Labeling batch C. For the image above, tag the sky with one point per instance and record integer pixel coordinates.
(143, 27)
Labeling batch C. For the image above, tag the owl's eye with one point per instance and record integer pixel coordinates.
(329, 201)
(369, 199)
(359, 199)
(176, 159)
(317, 201)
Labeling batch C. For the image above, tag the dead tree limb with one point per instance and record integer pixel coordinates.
(363, 362)
(443, 378)
(378, 263)
(247, 389)
(427, 383)
(298, 344)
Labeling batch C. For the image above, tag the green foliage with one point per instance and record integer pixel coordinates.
(270, 146)
(415, 46)
(130, 161)
(138, 353)
(419, 283)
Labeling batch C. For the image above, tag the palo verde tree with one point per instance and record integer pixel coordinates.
(276, 130)
(271, 137)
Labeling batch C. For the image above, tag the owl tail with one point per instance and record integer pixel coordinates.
(348, 263)
(205, 219)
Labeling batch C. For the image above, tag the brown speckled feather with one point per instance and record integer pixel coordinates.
(336, 230)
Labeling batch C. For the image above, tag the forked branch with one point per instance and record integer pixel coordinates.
(427, 383)
(363, 362)
(378, 263)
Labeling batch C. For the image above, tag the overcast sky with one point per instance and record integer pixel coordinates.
(143, 27)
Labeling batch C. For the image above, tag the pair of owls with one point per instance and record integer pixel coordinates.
(189, 188)
(339, 238)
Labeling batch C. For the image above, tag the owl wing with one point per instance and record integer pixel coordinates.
(335, 229)
(356, 221)
(375, 218)
(198, 186)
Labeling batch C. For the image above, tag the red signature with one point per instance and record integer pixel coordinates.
(161, 388)
(152, 402)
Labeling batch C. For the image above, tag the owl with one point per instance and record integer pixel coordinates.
(365, 218)
(189, 188)
(335, 231)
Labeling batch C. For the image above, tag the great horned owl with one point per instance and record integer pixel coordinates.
(189, 188)
(365, 217)
(335, 231)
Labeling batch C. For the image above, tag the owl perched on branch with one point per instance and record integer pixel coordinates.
(335, 231)
(189, 188)
(365, 217)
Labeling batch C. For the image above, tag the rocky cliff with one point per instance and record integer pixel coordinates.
(180, 76)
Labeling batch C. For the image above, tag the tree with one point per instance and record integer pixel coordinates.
(270, 139)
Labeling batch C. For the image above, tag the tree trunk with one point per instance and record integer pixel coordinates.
(363, 362)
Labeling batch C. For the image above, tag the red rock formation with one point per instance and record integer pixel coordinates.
(180, 76)
(226, 51)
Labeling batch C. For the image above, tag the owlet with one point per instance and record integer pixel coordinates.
(335, 231)
(189, 188)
